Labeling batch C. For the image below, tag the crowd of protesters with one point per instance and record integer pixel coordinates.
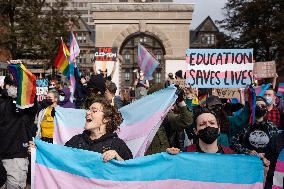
(217, 126)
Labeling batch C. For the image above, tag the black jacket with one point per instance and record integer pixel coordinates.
(276, 145)
(3, 174)
(101, 145)
(15, 129)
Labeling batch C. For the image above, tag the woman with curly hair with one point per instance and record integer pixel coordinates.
(102, 120)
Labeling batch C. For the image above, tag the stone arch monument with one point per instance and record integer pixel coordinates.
(168, 22)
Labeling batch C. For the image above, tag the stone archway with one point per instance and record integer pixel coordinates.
(143, 28)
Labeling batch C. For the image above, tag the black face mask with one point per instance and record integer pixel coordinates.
(48, 102)
(260, 112)
(208, 134)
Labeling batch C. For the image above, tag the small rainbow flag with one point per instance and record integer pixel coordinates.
(252, 103)
(61, 61)
(147, 62)
(26, 83)
(202, 100)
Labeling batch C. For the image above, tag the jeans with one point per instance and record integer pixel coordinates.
(17, 170)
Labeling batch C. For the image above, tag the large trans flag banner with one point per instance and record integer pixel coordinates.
(141, 120)
(219, 68)
(278, 179)
(57, 166)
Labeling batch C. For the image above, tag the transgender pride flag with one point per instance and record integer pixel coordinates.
(280, 90)
(58, 166)
(279, 172)
(146, 62)
(141, 120)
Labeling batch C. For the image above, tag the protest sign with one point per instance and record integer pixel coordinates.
(41, 89)
(219, 68)
(228, 93)
(264, 69)
(105, 54)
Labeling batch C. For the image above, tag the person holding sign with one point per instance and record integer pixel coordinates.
(273, 114)
(103, 71)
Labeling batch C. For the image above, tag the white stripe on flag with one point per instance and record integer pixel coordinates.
(222, 68)
(278, 179)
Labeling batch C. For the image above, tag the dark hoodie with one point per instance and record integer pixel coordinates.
(104, 143)
(15, 128)
(66, 102)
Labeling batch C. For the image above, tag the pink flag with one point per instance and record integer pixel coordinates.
(146, 62)
(74, 48)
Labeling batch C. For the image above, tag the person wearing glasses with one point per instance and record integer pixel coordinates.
(102, 120)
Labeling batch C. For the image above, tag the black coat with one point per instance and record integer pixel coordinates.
(15, 129)
(276, 145)
(101, 145)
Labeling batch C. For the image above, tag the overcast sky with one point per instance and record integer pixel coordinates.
(204, 8)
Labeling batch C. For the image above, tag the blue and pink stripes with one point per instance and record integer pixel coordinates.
(62, 167)
(219, 68)
(280, 90)
(279, 172)
(147, 62)
(141, 120)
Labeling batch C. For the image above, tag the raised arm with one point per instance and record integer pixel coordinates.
(113, 69)
(94, 67)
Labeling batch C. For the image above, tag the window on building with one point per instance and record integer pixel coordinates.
(158, 77)
(127, 75)
(127, 57)
(83, 12)
(208, 39)
(123, 1)
(79, 39)
(212, 39)
(159, 56)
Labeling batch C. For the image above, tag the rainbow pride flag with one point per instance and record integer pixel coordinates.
(202, 100)
(252, 103)
(146, 62)
(26, 83)
(141, 120)
(61, 61)
(58, 166)
(279, 172)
